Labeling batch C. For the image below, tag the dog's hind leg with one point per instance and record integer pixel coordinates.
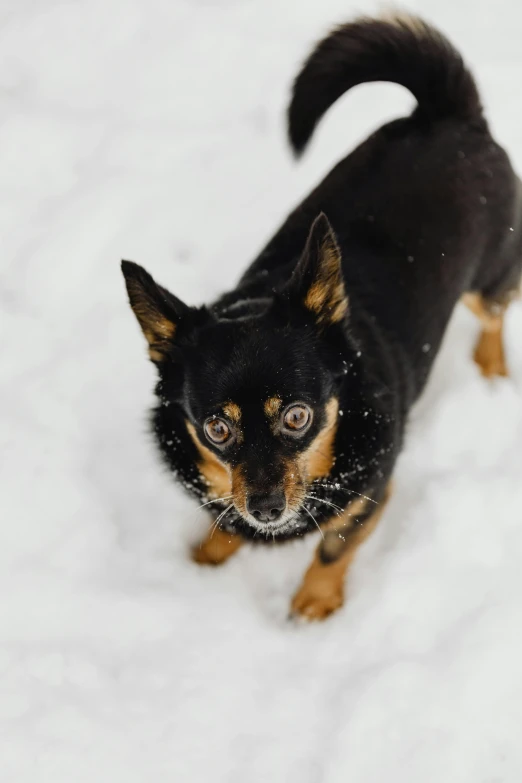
(322, 589)
(489, 353)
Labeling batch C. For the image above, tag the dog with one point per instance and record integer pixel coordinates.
(282, 406)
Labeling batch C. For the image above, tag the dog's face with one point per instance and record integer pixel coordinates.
(262, 412)
(258, 391)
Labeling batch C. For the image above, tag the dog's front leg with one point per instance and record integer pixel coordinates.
(216, 548)
(322, 589)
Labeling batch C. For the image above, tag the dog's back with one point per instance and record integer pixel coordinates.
(424, 210)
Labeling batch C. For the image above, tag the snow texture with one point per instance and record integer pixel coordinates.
(155, 131)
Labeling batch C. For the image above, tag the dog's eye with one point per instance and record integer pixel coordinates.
(297, 418)
(217, 430)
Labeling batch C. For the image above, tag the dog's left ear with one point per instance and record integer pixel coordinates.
(159, 312)
(317, 281)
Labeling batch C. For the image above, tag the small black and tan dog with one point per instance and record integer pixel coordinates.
(282, 406)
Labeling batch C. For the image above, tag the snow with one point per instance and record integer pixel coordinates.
(154, 131)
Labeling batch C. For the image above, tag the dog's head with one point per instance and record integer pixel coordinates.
(259, 391)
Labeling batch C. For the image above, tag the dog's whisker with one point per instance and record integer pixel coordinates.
(220, 517)
(315, 520)
(345, 489)
(339, 510)
(214, 500)
(327, 502)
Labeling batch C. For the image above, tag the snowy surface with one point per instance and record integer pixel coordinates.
(120, 660)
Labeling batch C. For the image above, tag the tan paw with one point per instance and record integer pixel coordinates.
(313, 605)
(201, 556)
(492, 369)
(216, 548)
(489, 355)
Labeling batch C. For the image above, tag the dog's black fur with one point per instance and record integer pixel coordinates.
(350, 308)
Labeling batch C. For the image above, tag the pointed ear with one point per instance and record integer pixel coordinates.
(159, 312)
(317, 281)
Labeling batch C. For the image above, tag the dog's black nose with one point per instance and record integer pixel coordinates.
(266, 508)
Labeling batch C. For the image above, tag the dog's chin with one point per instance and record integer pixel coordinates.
(287, 525)
(272, 529)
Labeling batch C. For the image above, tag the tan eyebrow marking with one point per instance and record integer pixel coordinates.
(272, 406)
(233, 411)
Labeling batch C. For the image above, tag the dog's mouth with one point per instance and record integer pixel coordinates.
(291, 518)
(272, 510)
(301, 513)
(290, 522)
(269, 515)
(283, 522)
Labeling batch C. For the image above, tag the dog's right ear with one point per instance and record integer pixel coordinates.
(317, 282)
(159, 312)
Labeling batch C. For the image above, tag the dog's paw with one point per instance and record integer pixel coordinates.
(313, 605)
(201, 555)
(489, 355)
(493, 368)
(215, 549)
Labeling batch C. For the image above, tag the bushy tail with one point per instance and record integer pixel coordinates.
(404, 50)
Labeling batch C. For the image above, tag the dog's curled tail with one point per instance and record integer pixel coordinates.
(401, 49)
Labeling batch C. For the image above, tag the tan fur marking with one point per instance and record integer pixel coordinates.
(489, 354)
(215, 472)
(489, 350)
(239, 490)
(315, 462)
(326, 297)
(233, 411)
(272, 406)
(155, 355)
(340, 309)
(158, 330)
(490, 314)
(216, 548)
(322, 589)
(294, 486)
(318, 459)
(317, 297)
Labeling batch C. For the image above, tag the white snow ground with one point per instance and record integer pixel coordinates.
(120, 660)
